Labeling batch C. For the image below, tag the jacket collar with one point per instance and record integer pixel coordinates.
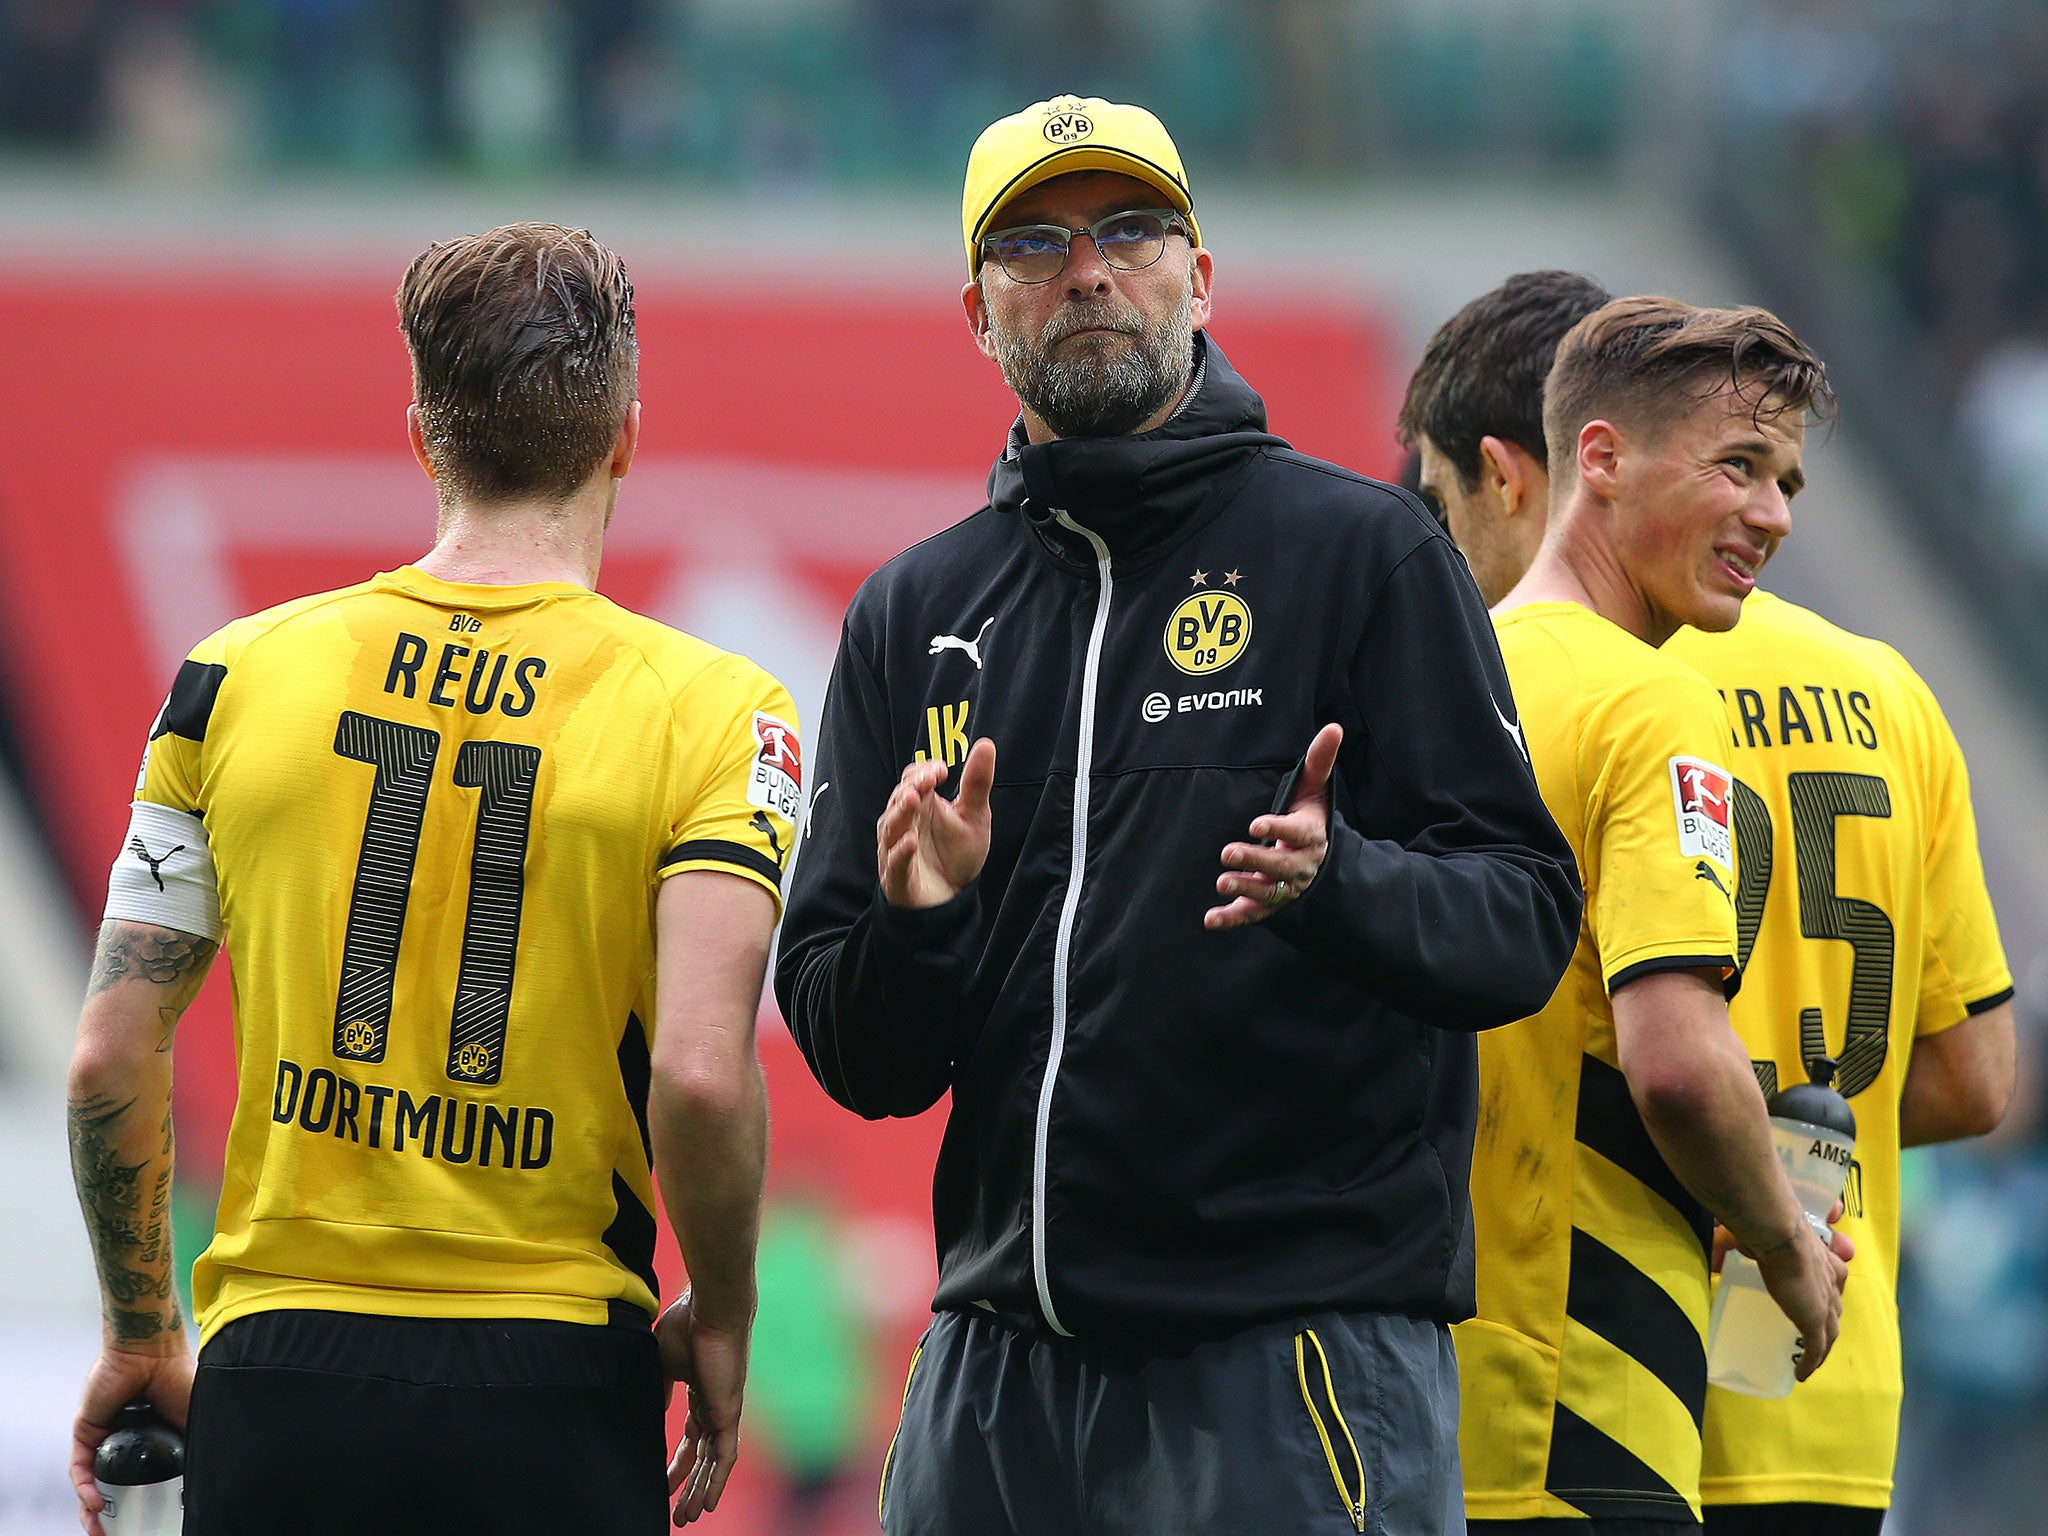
(1140, 494)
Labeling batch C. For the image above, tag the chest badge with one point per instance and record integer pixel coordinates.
(1207, 632)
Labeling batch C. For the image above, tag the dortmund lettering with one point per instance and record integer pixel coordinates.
(323, 1102)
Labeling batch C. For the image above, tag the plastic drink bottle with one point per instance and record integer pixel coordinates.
(1752, 1346)
(140, 1471)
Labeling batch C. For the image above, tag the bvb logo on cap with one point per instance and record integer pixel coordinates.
(1068, 127)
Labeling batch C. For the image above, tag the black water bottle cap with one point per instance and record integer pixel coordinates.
(1814, 1102)
(142, 1449)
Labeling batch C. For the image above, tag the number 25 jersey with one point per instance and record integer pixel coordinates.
(1864, 925)
(439, 816)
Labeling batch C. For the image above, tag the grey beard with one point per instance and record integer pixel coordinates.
(1104, 388)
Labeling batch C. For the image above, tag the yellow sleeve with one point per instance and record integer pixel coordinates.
(1963, 970)
(740, 788)
(170, 772)
(1660, 893)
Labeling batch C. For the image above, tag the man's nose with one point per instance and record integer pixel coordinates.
(1086, 273)
(1770, 511)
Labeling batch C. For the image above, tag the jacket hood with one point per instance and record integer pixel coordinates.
(1144, 493)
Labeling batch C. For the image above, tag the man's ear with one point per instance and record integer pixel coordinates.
(976, 304)
(1599, 456)
(1517, 472)
(1201, 274)
(417, 436)
(627, 443)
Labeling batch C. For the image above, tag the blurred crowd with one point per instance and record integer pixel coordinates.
(1912, 140)
(802, 90)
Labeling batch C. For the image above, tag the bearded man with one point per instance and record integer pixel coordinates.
(1201, 960)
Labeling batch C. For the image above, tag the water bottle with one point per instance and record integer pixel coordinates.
(1752, 1346)
(140, 1471)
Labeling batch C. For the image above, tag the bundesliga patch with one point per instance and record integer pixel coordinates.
(1701, 792)
(777, 780)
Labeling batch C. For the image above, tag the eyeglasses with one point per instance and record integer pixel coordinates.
(1129, 241)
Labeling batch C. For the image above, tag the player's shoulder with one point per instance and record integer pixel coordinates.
(688, 668)
(232, 640)
(1782, 635)
(1602, 658)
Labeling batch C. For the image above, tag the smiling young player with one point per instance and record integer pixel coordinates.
(1617, 1121)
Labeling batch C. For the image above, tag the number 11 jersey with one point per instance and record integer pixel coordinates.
(438, 817)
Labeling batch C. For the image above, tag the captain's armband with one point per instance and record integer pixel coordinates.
(164, 873)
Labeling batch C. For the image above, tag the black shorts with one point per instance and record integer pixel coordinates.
(1792, 1520)
(338, 1423)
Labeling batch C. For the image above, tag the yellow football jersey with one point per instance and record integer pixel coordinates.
(1583, 1376)
(1864, 923)
(439, 816)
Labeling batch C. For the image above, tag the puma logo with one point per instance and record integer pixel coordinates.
(767, 830)
(155, 865)
(1705, 871)
(1514, 731)
(955, 643)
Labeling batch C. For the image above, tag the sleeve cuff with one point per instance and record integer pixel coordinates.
(727, 859)
(923, 930)
(1731, 982)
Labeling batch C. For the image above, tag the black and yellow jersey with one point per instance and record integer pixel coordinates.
(1864, 925)
(1584, 1372)
(438, 817)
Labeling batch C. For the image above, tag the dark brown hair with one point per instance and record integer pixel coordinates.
(1646, 361)
(524, 359)
(1482, 373)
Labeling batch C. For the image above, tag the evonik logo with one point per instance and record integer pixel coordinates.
(1158, 706)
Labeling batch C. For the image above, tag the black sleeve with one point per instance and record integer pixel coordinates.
(1447, 891)
(869, 991)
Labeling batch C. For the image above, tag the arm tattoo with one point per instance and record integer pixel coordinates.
(121, 1168)
(135, 951)
(129, 1224)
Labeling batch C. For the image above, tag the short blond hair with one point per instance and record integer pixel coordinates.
(1647, 360)
(524, 358)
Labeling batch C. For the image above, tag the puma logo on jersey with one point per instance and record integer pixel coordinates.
(1705, 871)
(766, 828)
(156, 865)
(1514, 731)
(954, 643)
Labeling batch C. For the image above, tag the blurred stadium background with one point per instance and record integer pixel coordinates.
(205, 206)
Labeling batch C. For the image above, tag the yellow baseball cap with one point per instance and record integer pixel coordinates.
(1067, 133)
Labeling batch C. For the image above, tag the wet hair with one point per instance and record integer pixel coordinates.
(1647, 361)
(524, 359)
(1482, 373)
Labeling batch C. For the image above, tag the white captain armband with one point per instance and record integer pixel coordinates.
(164, 874)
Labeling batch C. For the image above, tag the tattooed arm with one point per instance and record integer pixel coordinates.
(119, 1106)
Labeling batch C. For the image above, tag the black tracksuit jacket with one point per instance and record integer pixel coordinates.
(1160, 1131)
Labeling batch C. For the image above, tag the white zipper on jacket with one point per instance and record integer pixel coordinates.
(1063, 940)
